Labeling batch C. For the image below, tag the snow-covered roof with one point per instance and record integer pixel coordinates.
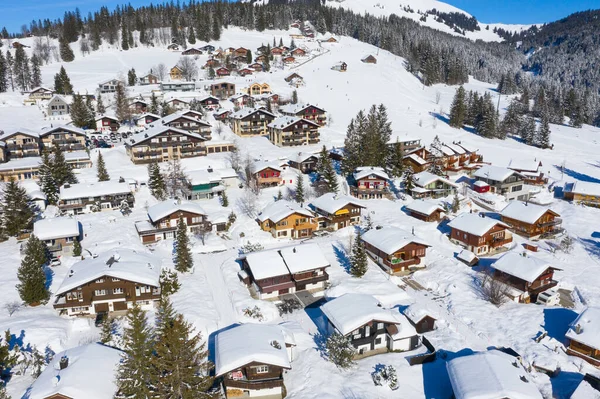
(473, 223)
(157, 130)
(417, 312)
(296, 108)
(489, 375)
(351, 311)
(424, 207)
(589, 328)
(42, 88)
(266, 264)
(245, 112)
(251, 343)
(331, 202)
(262, 165)
(522, 266)
(37, 195)
(61, 227)
(366, 57)
(303, 156)
(467, 147)
(143, 116)
(12, 132)
(303, 257)
(424, 178)
(170, 118)
(456, 148)
(398, 137)
(170, 206)
(466, 256)
(90, 374)
(416, 158)
(121, 263)
(480, 183)
(96, 189)
(447, 150)
(283, 121)
(585, 391)
(63, 128)
(390, 239)
(366, 171)
(523, 165)
(282, 209)
(585, 188)
(197, 177)
(495, 173)
(524, 211)
(106, 117)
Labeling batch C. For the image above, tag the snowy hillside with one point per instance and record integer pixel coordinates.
(212, 297)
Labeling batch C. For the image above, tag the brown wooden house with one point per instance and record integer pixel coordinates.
(164, 216)
(107, 123)
(306, 111)
(192, 51)
(479, 233)
(251, 122)
(420, 317)
(428, 211)
(288, 60)
(138, 106)
(266, 174)
(288, 131)
(21, 143)
(223, 72)
(298, 52)
(305, 162)
(369, 182)
(531, 220)
(257, 67)
(75, 199)
(337, 211)
(164, 143)
(584, 340)
(222, 90)
(189, 124)
(369, 59)
(287, 219)
(394, 249)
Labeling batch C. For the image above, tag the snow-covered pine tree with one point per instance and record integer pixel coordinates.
(542, 138)
(294, 97)
(224, 199)
(156, 182)
(62, 172)
(135, 376)
(107, 330)
(455, 203)
(76, 248)
(169, 283)
(279, 196)
(359, 263)
(36, 73)
(299, 192)
(154, 108)
(183, 255)
(180, 358)
(395, 163)
(16, 212)
(79, 112)
(407, 178)
(101, 173)
(32, 278)
(100, 108)
(62, 82)
(131, 77)
(46, 178)
(21, 69)
(436, 162)
(3, 74)
(352, 144)
(340, 350)
(66, 54)
(527, 129)
(458, 109)
(123, 112)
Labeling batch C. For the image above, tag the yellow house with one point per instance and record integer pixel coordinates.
(287, 219)
(256, 89)
(251, 122)
(176, 73)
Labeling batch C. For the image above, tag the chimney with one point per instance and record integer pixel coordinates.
(294, 250)
(67, 185)
(578, 329)
(121, 180)
(63, 363)
(413, 230)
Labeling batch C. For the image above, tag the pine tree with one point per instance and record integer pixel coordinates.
(107, 330)
(100, 105)
(76, 248)
(16, 212)
(299, 194)
(135, 377)
(156, 182)
(10, 62)
(46, 178)
(407, 178)
(124, 39)
(32, 278)
(340, 350)
(436, 165)
(180, 358)
(326, 172)
(36, 73)
(123, 112)
(79, 112)
(455, 203)
(131, 77)
(458, 110)
(191, 35)
(279, 196)
(62, 82)
(359, 263)
(396, 162)
(224, 199)
(66, 54)
(352, 145)
(527, 130)
(294, 97)
(183, 255)
(543, 135)
(62, 172)
(3, 74)
(102, 173)
(21, 69)
(249, 57)
(154, 104)
(169, 283)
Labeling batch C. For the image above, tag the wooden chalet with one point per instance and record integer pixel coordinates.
(40, 93)
(306, 111)
(221, 72)
(173, 47)
(257, 89)
(583, 336)
(369, 182)
(340, 67)
(277, 51)
(479, 233)
(68, 138)
(298, 52)
(176, 73)
(256, 67)
(427, 211)
(212, 63)
(245, 72)
(178, 104)
(287, 219)
(221, 115)
(530, 171)
(146, 119)
(288, 131)
(192, 51)
(504, 181)
(59, 234)
(394, 249)
(421, 318)
(189, 124)
(583, 192)
(210, 103)
(305, 162)
(149, 79)
(266, 174)
(222, 90)
(428, 185)
(240, 52)
(531, 220)
(288, 60)
(251, 122)
(109, 86)
(292, 76)
(80, 198)
(20, 143)
(164, 143)
(107, 123)
(337, 211)
(163, 219)
(138, 106)
(113, 281)
(369, 59)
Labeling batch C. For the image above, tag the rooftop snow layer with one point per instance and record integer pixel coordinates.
(262, 165)
(266, 264)
(97, 189)
(466, 256)
(331, 202)
(489, 375)
(170, 118)
(425, 178)
(526, 267)
(157, 130)
(244, 112)
(251, 343)
(279, 210)
(492, 172)
(523, 165)
(51, 229)
(121, 263)
(424, 207)
(366, 171)
(524, 211)
(26, 132)
(90, 374)
(296, 108)
(474, 224)
(170, 206)
(304, 257)
(390, 239)
(589, 324)
(585, 188)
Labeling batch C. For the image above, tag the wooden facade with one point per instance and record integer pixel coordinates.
(300, 132)
(268, 177)
(295, 225)
(252, 124)
(222, 90)
(400, 261)
(348, 215)
(309, 112)
(78, 206)
(165, 228)
(496, 237)
(190, 124)
(166, 146)
(21, 145)
(542, 283)
(589, 354)
(370, 187)
(67, 139)
(434, 216)
(306, 165)
(253, 377)
(546, 224)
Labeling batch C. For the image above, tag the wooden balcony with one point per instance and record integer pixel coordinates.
(555, 222)
(247, 384)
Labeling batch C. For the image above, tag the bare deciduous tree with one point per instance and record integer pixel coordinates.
(235, 159)
(178, 185)
(492, 289)
(189, 69)
(438, 97)
(248, 203)
(161, 71)
(203, 231)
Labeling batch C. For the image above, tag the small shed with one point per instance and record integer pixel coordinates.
(481, 187)
(369, 59)
(467, 257)
(420, 317)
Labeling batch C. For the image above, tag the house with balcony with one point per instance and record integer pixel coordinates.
(530, 169)
(274, 272)
(504, 181)
(371, 328)
(288, 131)
(59, 105)
(428, 185)
(138, 106)
(109, 86)
(178, 104)
(106, 123)
(180, 120)
(395, 250)
(149, 79)
(369, 182)
(417, 160)
(250, 360)
(163, 143)
(111, 282)
(76, 199)
(406, 143)
(222, 90)
(68, 138)
(525, 275)
(287, 219)
(583, 336)
(21, 143)
(250, 122)
(177, 86)
(39, 94)
(305, 162)
(28, 168)
(210, 182)
(425, 210)
(479, 233)
(266, 174)
(176, 73)
(164, 216)
(531, 220)
(306, 111)
(146, 119)
(257, 89)
(583, 192)
(59, 234)
(336, 211)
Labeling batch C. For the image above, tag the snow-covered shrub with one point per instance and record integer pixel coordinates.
(340, 350)
(254, 313)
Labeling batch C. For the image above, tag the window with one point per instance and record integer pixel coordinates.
(380, 326)
(100, 292)
(197, 219)
(117, 291)
(516, 188)
(116, 279)
(70, 296)
(154, 140)
(378, 341)
(100, 280)
(261, 369)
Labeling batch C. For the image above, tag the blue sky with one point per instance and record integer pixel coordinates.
(14, 13)
(522, 11)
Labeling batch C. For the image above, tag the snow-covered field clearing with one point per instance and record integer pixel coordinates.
(212, 297)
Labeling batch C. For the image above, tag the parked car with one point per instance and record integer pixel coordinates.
(55, 261)
(100, 317)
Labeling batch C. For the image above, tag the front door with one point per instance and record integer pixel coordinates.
(101, 307)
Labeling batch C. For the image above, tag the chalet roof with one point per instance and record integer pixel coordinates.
(489, 375)
(246, 112)
(51, 229)
(137, 100)
(398, 137)
(589, 331)
(28, 132)
(351, 311)
(522, 266)
(143, 116)
(297, 108)
(416, 158)
(110, 81)
(366, 171)
(366, 57)
(204, 99)
(525, 211)
(390, 239)
(34, 162)
(282, 209)
(447, 150)
(303, 257)
(90, 374)
(258, 166)
(584, 188)
(303, 157)
(177, 100)
(495, 173)
(474, 224)
(456, 148)
(168, 207)
(70, 129)
(523, 165)
(251, 343)
(107, 117)
(331, 202)
(467, 147)
(122, 263)
(95, 189)
(158, 130)
(585, 390)
(176, 68)
(198, 177)
(466, 256)
(180, 115)
(425, 178)
(41, 88)
(284, 121)
(266, 264)
(417, 312)
(424, 207)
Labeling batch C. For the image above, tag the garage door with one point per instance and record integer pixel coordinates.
(101, 307)
(120, 305)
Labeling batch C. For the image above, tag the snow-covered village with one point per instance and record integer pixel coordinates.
(298, 199)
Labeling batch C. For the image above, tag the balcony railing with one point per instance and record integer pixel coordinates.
(248, 384)
(555, 222)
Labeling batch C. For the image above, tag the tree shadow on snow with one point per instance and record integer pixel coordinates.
(591, 246)
(49, 276)
(564, 384)
(435, 376)
(577, 175)
(556, 322)
(342, 257)
(443, 226)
